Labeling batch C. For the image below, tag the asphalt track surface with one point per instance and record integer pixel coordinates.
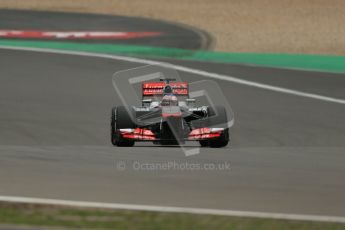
(286, 154)
(173, 34)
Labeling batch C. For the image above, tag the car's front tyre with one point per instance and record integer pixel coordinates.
(121, 119)
(204, 143)
(218, 117)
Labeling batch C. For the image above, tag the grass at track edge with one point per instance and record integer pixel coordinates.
(321, 63)
(17, 214)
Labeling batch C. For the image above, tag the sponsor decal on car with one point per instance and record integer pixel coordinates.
(156, 88)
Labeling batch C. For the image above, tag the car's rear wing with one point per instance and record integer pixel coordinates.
(156, 88)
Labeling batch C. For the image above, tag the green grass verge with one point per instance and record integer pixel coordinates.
(76, 218)
(299, 61)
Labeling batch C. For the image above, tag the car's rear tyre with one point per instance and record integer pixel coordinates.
(121, 119)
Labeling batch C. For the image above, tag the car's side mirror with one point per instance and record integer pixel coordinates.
(190, 102)
(146, 102)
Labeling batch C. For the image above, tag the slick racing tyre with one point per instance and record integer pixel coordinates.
(204, 143)
(218, 118)
(121, 119)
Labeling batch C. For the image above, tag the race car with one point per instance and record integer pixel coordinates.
(168, 116)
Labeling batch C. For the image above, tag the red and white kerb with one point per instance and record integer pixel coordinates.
(75, 34)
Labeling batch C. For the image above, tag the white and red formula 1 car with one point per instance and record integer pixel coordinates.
(169, 117)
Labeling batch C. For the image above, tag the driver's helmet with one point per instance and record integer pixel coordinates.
(169, 100)
(167, 90)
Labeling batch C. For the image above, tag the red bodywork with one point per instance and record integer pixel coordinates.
(156, 88)
(140, 134)
(203, 133)
(148, 135)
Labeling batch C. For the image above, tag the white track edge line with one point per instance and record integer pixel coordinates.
(170, 209)
(185, 69)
